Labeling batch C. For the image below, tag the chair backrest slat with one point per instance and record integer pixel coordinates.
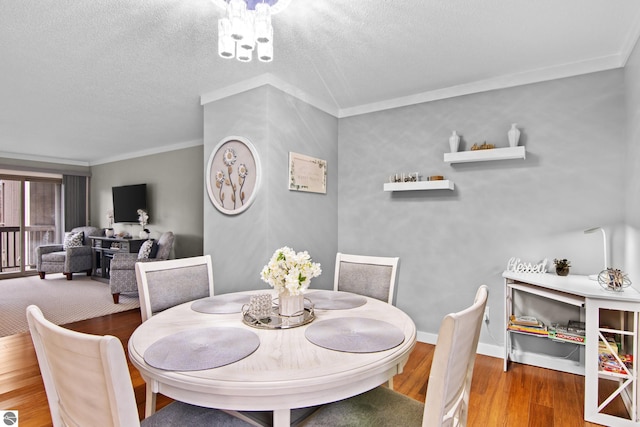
(371, 276)
(86, 376)
(447, 399)
(165, 284)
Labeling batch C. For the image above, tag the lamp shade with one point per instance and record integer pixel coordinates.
(226, 45)
(263, 27)
(265, 52)
(244, 55)
(237, 16)
(248, 41)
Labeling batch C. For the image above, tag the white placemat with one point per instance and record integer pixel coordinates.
(203, 348)
(335, 300)
(354, 334)
(221, 304)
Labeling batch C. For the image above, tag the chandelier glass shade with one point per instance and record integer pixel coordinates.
(246, 29)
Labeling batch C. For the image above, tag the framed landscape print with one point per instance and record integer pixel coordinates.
(233, 175)
(307, 173)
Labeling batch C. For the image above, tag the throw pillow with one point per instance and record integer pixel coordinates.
(154, 250)
(145, 249)
(73, 240)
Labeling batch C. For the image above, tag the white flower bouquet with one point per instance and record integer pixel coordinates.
(143, 218)
(289, 271)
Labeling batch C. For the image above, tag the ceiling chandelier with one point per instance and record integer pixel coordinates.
(247, 28)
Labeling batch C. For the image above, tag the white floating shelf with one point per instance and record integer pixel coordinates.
(419, 185)
(486, 155)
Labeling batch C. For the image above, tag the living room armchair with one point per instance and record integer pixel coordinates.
(67, 258)
(122, 273)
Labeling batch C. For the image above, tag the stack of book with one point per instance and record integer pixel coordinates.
(623, 364)
(527, 325)
(610, 359)
(611, 349)
(573, 332)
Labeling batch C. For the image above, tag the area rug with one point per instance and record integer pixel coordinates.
(62, 301)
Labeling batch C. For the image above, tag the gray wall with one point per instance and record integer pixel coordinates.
(174, 193)
(450, 242)
(577, 131)
(276, 124)
(632, 166)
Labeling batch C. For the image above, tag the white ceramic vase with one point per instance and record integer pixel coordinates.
(109, 232)
(513, 135)
(290, 305)
(454, 142)
(143, 235)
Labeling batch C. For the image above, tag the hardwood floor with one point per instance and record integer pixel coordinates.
(524, 396)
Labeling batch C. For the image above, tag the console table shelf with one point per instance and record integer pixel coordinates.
(608, 317)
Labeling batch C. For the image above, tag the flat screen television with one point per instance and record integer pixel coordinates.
(127, 199)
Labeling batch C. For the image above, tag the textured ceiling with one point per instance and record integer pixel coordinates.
(88, 81)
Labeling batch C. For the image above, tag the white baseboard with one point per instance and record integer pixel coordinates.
(548, 362)
(540, 360)
(491, 350)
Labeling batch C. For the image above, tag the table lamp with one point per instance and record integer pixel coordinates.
(604, 241)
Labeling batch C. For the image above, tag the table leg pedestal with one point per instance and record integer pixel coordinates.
(282, 418)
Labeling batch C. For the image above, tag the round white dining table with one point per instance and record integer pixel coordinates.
(285, 372)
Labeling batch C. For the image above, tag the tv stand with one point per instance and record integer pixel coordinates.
(103, 250)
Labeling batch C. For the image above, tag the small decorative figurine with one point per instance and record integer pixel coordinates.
(562, 266)
(613, 279)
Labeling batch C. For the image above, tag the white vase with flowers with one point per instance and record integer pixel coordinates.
(290, 273)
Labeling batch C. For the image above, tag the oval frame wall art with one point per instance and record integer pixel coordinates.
(233, 175)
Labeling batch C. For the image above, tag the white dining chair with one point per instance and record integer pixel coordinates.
(87, 382)
(370, 276)
(165, 284)
(448, 387)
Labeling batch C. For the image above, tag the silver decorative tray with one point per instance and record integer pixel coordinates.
(277, 321)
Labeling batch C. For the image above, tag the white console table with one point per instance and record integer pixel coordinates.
(610, 398)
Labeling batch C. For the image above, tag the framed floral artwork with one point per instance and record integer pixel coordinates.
(233, 175)
(307, 173)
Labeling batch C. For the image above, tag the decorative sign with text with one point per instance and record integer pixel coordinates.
(307, 173)
(516, 266)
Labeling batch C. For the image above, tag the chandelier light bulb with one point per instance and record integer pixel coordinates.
(244, 30)
(226, 45)
(238, 17)
(263, 27)
(265, 52)
(248, 41)
(244, 55)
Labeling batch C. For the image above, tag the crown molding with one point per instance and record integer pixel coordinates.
(149, 152)
(631, 41)
(501, 82)
(268, 79)
(30, 157)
